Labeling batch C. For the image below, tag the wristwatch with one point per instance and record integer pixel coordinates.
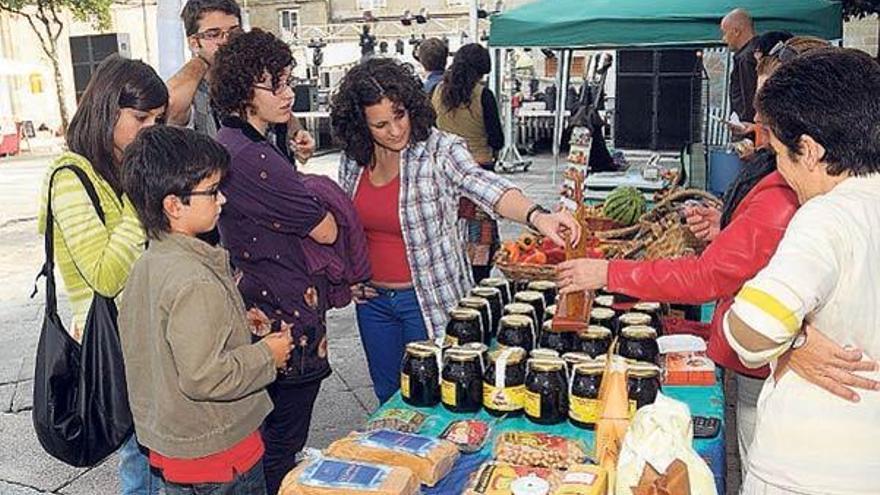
(536, 208)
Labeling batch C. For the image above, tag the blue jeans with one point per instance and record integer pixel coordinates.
(249, 483)
(135, 474)
(387, 323)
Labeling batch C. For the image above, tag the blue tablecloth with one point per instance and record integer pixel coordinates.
(703, 401)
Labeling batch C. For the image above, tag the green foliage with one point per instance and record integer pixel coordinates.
(857, 9)
(48, 12)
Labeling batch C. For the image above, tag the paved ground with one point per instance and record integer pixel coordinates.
(346, 397)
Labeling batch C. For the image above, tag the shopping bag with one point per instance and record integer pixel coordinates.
(657, 456)
(81, 413)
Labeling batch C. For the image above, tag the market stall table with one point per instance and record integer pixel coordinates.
(703, 401)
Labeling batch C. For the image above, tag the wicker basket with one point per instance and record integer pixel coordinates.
(526, 271)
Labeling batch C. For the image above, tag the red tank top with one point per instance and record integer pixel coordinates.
(379, 210)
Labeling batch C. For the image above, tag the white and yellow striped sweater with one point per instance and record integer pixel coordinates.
(90, 255)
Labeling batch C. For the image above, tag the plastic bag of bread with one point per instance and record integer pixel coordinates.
(496, 478)
(429, 458)
(329, 476)
(538, 449)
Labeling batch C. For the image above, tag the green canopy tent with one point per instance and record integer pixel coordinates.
(566, 25)
(600, 24)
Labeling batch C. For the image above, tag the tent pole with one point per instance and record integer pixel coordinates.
(562, 69)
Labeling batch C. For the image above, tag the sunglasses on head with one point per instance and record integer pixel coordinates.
(782, 52)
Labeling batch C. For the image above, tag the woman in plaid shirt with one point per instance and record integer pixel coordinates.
(406, 179)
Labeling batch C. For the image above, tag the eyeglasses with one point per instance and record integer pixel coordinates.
(213, 192)
(782, 52)
(216, 34)
(278, 90)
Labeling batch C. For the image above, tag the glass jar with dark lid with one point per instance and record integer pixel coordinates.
(633, 318)
(546, 398)
(461, 389)
(522, 309)
(503, 286)
(547, 288)
(465, 326)
(584, 406)
(481, 305)
(642, 383)
(560, 342)
(517, 331)
(652, 309)
(420, 374)
(604, 317)
(492, 295)
(594, 341)
(534, 299)
(638, 342)
(504, 382)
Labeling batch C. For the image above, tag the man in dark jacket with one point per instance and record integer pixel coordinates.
(738, 32)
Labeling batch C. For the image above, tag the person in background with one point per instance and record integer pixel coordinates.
(269, 214)
(122, 97)
(467, 108)
(825, 272)
(196, 382)
(767, 41)
(738, 32)
(209, 24)
(743, 236)
(432, 54)
(406, 178)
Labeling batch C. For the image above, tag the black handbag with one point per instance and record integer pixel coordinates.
(81, 412)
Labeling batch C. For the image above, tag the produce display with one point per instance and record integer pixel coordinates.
(331, 476)
(429, 458)
(625, 205)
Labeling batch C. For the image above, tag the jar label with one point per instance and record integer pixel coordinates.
(584, 410)
(632, 408)
(404, 385)
(532, 404)
(449, 340)
(447, 393)
(504, 399)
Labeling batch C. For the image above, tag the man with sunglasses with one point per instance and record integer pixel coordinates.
(209, 24)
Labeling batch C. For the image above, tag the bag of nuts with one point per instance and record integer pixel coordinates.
(539, 450)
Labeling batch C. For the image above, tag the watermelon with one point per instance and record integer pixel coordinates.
(625, 205)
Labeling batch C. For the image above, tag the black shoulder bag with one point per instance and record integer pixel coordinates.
(81, 413)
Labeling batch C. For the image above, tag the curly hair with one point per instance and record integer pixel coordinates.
(470, 64)
(366, 85)
(243, 62)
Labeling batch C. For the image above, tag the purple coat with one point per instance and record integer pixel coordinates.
(345, 262)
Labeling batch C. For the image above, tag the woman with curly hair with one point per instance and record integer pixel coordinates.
(406, 178)
(466, 107)
(268, 215)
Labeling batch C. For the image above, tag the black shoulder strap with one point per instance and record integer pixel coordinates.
(48, 269)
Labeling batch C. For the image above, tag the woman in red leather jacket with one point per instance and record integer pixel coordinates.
(758, 207)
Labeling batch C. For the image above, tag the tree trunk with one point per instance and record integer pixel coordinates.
(59, 85)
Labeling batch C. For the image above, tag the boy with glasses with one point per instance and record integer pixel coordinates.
(196, 382)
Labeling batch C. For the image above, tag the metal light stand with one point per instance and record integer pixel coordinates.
(509, 159)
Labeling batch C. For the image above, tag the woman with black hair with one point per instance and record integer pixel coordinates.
(123, 97)
(268, 216)
(466, 107)
(406, 178)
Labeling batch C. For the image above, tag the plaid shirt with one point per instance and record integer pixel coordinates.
(434, 175)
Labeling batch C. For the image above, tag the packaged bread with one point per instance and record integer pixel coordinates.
(496, 478)
(538, 449)
(331, 476)
(583, 479)
(429, 458)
